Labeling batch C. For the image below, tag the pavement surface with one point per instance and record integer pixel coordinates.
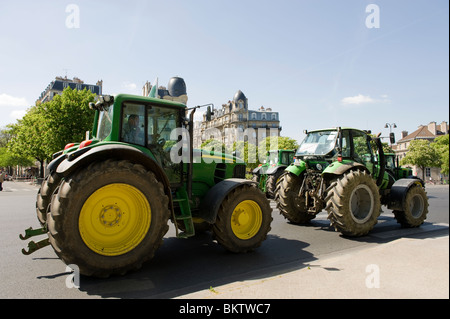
(405, 268)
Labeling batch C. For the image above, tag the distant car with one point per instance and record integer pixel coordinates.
(8, 177)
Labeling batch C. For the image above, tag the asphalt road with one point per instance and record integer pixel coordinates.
(183, 266)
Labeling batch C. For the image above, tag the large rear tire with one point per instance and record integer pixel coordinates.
(108, 218)
(243, 219)
(416, 208)
(44, 196)
(292, 206)
(353, 204)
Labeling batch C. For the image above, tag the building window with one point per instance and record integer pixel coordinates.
(263, 116)
(253, 116)
(274, 116)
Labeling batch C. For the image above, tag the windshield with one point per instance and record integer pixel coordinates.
(104, 123)
(390, 162)
(318, 143)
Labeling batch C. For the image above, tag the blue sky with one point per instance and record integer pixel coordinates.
(315, 62)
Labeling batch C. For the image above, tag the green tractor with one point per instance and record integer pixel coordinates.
(396, 171)
(106, 201)
(339, 171)
(267, 174)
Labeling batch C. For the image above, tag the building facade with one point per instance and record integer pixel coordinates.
(234, 122)
(60, 83)
(424, 132)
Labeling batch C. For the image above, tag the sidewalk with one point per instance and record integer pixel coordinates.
(404, 268)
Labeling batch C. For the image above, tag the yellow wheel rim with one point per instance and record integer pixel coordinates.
(114, 219)
(246, 219)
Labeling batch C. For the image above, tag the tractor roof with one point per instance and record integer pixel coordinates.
(335, 129)
(146, 99)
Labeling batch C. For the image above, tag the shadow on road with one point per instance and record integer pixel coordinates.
(184, 266)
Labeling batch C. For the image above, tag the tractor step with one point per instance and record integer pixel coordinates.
(184, 214)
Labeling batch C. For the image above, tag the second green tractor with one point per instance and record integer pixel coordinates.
(345, 172)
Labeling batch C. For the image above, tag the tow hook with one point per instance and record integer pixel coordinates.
(33, 246)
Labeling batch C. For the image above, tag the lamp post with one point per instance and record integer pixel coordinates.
(391, 135)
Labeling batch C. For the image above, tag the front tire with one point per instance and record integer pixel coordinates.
(353, 204)
(243, 219)
(271, 183)
(108, 218)
(291, 205)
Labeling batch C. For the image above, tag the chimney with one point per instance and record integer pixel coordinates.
(444, 127)
(432, 128)
(404, 134)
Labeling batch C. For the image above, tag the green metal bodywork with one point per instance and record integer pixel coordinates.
(333, 163)
(276, 160)
(208, 168)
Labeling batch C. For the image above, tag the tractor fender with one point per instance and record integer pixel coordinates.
(256, 170)
(215, 196)
(338, 168)
(85, 156)
(55, 162)
(296, 168)
(274, 169)
(398, 193)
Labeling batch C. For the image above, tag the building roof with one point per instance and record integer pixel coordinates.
(421, 133)
(239, 96)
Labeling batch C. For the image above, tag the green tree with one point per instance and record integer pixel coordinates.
(278, 143)
(422, 155)
(441, 145)
(28, 137)
(7, 159)
(46, 128)
(68, 117)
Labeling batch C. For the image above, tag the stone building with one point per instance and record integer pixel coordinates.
(60, 83)
(425, 132)
(234, 121)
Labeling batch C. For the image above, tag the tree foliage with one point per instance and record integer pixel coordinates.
(279, 143)
(441, 146)
(46, 128)
(422, 155)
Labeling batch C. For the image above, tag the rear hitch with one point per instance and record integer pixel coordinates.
(33, 246)
(30, 232)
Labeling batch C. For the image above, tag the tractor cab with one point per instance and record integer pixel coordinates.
(321, 148)
(147, 124)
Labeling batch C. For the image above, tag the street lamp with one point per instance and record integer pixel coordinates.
(391, 135)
